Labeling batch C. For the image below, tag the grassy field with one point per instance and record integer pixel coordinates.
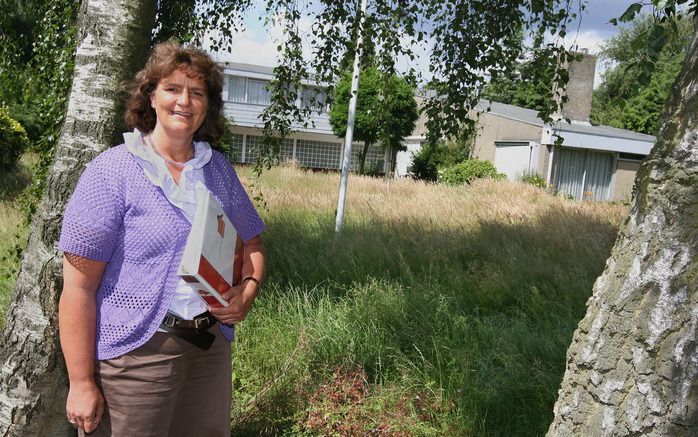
(438, 311)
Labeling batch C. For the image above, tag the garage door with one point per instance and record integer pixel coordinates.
(513, 159)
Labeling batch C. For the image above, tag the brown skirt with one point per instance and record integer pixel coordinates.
(167, 388)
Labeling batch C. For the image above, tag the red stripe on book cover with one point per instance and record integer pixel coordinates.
(211, 275)
(212, 301)
(190, 279)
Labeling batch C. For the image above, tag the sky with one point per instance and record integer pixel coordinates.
(256, 45)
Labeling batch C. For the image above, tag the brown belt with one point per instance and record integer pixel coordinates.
(194, 331)
(201, 322)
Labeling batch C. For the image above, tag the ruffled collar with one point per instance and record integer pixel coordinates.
(155, 169)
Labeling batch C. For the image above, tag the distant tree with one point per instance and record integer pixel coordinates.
(527, 83)
(385, 111)
(622, 100)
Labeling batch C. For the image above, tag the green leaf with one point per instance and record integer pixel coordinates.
(630, 13)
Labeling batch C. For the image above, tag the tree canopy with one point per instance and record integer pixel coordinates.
(386, 110)
(527, 83)
(622, 100)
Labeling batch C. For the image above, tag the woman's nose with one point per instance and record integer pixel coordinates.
(184, 98)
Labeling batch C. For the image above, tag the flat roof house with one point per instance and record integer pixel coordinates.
(592, 163)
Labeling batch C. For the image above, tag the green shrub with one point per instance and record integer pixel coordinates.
(533, 178)
(13, 140)
(431, 157)
(467, 171)
(423, 165)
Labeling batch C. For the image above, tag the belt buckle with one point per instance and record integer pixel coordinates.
(202, 322)
(169, 321)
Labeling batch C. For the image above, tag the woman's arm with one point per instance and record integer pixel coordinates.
(77, 321)
(242, 295)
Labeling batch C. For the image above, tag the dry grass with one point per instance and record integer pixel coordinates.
(457, 303)
(419, 202)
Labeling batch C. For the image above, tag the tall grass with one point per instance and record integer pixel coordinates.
(457, 304)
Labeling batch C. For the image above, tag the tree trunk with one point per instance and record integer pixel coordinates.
(362, 157)
(113, 39)
(633, 362)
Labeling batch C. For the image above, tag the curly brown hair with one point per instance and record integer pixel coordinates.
(165, 58)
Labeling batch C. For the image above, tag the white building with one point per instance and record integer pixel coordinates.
(245, 97)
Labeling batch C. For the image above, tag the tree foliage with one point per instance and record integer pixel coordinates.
(36, 66)
(528, 83)
(468, 41)
(386, 111)
(433, 158)
(623, 100)
(13, 140)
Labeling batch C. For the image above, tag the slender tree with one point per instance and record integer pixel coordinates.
(113, 38)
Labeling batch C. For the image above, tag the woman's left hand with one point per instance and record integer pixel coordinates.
(242, 295)
(240, 298)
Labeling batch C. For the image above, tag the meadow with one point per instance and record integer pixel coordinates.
(437, 311)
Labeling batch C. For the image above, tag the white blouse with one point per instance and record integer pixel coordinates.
(185, 196)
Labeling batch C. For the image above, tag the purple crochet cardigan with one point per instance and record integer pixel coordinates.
(118, 216)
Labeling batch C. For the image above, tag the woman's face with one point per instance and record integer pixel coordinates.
(180, 103)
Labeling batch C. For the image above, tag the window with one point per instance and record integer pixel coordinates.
(583, 174)
(318, 154)
(374, 157)
(236, 89)
(257, 92)
(631, 157)
(234, 151)
(314, 97)
(247, 90)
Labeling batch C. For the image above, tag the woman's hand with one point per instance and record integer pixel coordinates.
(85, 405)
(242, 295)
(240, 298)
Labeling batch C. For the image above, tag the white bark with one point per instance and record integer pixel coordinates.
(113, 39)
(632, 366)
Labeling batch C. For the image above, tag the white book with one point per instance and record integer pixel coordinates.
(207, 262)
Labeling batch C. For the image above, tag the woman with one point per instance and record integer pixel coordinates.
(123, 234)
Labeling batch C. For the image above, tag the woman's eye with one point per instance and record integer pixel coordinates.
(198, 93)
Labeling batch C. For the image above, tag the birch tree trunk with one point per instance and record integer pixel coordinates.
(113, 40)
(632, 365)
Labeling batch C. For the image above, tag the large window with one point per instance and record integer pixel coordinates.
(318, 154)
(257, 92)
(374, 158)
(583, 174)
(248, 90)
(236, 89)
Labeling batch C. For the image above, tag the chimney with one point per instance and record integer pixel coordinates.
(579, 88)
